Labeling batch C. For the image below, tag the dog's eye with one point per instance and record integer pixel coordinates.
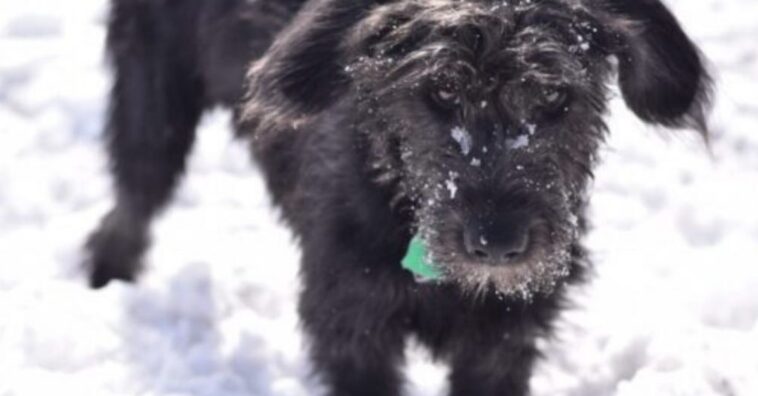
(555, 99)
(446, 97)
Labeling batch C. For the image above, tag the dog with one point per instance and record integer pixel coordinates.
(469, 126)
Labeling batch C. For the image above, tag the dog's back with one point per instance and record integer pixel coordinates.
(209, 40)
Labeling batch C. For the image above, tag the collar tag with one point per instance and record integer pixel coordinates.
(416, 261)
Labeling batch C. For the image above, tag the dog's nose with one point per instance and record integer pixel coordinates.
(497, 244)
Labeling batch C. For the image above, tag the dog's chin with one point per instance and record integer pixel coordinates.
(540, 272)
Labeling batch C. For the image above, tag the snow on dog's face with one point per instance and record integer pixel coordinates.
(487, 119)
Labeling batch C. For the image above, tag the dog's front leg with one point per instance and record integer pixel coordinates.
(483, 365)
(353, 318)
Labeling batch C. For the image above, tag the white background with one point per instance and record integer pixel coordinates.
(672, 310)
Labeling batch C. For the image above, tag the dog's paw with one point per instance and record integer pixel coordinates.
(114, 252)
(101, 272)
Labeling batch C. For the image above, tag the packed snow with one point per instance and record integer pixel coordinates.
(672, 309)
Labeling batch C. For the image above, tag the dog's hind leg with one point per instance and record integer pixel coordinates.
(155, 105)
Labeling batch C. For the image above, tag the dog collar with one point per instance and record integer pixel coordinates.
(416, 261)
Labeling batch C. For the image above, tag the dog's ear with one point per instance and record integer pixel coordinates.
(302, 71)
(388, 31)
(661, 73)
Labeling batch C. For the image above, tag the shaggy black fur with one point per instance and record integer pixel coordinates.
(472, 124)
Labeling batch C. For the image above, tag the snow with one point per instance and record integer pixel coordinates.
(463, 138)
(452, 188)
(450, 184)
(519, 142)
(672, 310)
(530, 128)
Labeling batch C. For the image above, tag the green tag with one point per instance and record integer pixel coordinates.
(416, 261)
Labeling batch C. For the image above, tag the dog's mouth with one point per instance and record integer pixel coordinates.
(539, 271)
(541, 264)
(516, 241)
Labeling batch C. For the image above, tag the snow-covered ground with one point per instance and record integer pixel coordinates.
(673, 309)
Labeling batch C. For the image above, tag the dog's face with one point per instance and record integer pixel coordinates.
(484, 116)
(488, 118)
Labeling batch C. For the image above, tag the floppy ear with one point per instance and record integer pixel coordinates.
(661, 73)
(387, 31)
(301, 73)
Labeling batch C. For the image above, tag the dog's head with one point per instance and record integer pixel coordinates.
(486, 116)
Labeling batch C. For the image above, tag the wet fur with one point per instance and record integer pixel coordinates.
(336, 110)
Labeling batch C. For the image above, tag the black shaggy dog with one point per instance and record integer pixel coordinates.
(470, 125)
